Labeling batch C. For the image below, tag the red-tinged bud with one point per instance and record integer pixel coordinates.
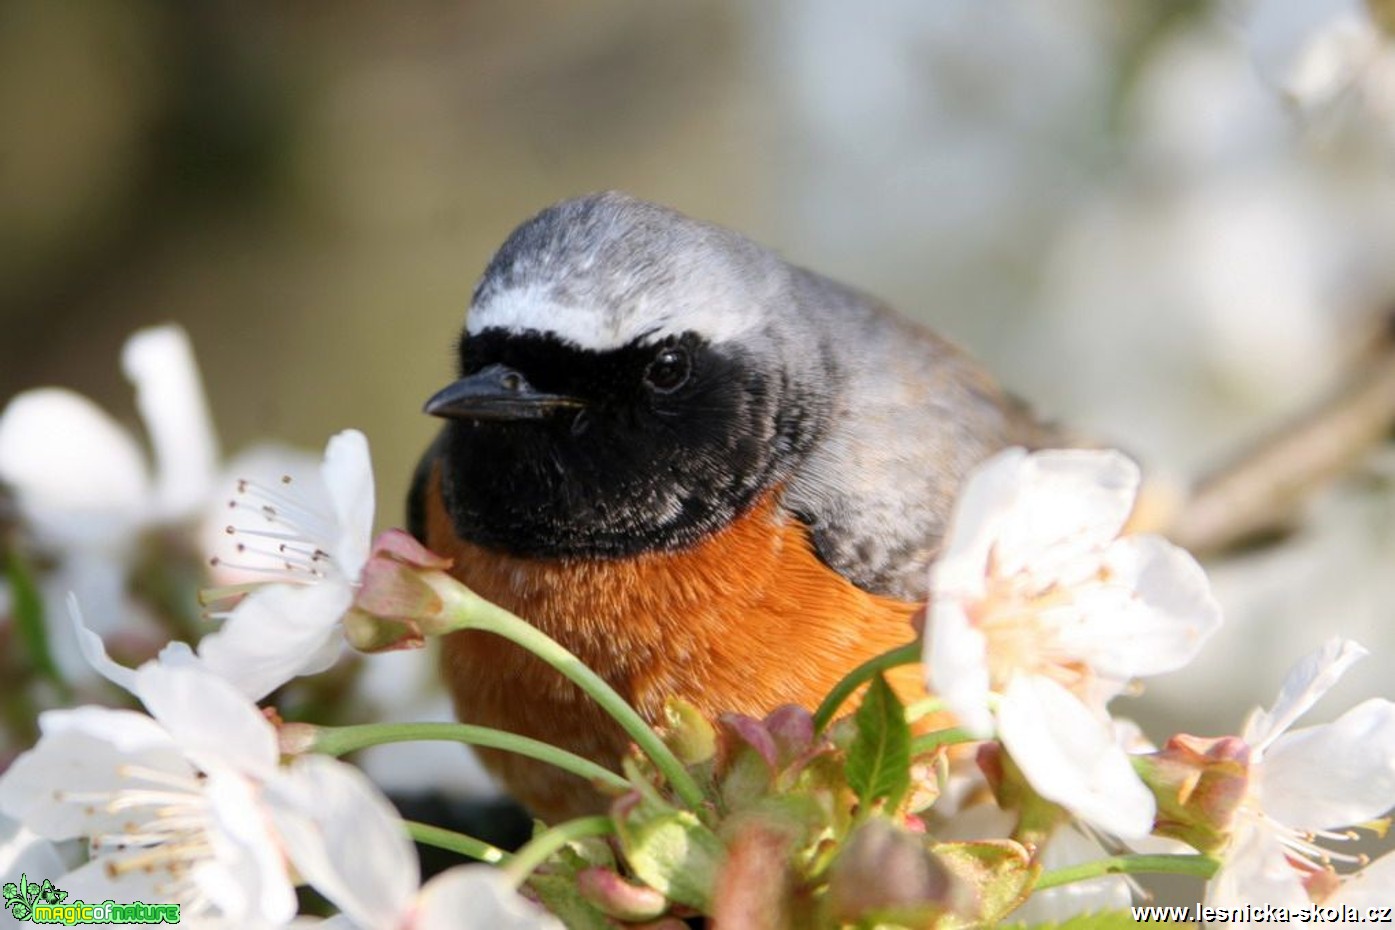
(618, 898)
(1199, 784)
(738, 729)
(885, 874)
(756, 756)
(990, 762)
(402, 547)
(755, 885)
(403, 592)
(792, 728)
(371, 633)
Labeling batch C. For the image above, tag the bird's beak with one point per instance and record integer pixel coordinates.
(496, 393)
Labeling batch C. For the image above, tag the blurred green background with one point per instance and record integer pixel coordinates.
(1105, 199)
(312, 189)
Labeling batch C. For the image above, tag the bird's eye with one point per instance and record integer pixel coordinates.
(668, 371)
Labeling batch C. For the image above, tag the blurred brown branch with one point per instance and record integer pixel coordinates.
(1256, 492)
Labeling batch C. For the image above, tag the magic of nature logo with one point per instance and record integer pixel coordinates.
(43, 903)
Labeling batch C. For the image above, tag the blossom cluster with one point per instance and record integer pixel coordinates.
(195, 800)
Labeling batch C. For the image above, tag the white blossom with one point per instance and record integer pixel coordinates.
(1308, 785)
(84, 487)
(311, 548)
(172, 805)
(347, 841)
(1041, 612)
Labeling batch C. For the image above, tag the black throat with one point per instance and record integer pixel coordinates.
(635, 469)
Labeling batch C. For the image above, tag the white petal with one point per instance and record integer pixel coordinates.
(79, 477)
(1335, 775)
(957, 666)
(1068, 846)
(1071, 503)
(1152, 616)
(346, 840)
(22, 851)
(84, 750)
(170, 397)
(266, 465)
(277, 633)
(95, 651)
(1306, 682)
(348, 474)
(98, 579)
(128, 731)
(212, 721)
(1256, 871)
(477, 897)
(178, 654)
(1368, 888)
(247, 878)
(1069, 756)
(985, 501)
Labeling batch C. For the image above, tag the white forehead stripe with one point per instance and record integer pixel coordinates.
(601, 328)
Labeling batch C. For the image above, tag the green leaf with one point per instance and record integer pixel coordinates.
(879, 758)
(29, 618)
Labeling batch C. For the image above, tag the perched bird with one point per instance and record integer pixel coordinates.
(705, 471)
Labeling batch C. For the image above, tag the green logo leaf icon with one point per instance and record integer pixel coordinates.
(20, 897)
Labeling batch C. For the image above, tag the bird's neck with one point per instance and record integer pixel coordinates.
(751, 596)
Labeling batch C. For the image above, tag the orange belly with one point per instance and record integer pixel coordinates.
(745, 621)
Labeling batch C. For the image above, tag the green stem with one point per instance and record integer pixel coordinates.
(469, 611)
(541, 847)
(1199, 866)
(908, 654)
(924, 708)
(929, 742)
(441, 838)
(336, 741)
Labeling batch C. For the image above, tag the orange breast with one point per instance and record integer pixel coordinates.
(744, 621)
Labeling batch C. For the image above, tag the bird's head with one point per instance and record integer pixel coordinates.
(630, 380)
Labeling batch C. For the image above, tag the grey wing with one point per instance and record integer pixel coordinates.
(913, 416)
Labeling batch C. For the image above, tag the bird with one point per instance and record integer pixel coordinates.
(710, 474)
